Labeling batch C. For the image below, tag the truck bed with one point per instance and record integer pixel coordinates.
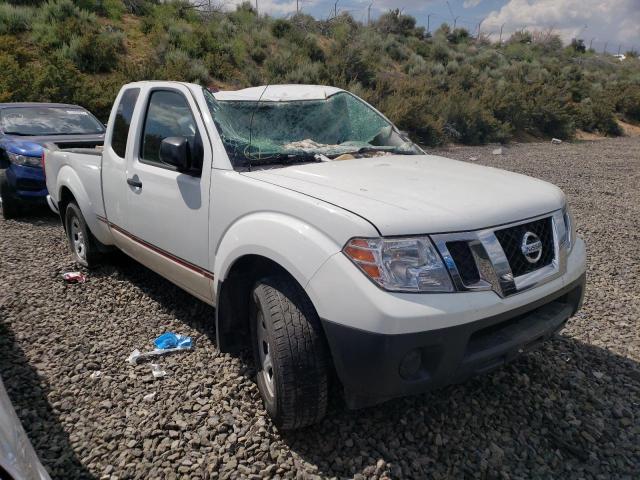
(79, 170)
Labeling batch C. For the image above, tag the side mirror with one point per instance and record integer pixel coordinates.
(175, 151)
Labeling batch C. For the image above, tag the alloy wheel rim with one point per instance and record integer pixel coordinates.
(77, 238)
(266, 360)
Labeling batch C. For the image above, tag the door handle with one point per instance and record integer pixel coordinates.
(134, 183)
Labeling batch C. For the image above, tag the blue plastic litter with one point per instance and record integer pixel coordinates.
(172, 340)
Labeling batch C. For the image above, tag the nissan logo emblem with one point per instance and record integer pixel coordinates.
(531, 247)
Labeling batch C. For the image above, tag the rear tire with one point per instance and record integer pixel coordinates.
(9, 204)
(290, 353)
(81, 241)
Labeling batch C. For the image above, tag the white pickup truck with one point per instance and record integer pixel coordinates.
(326, 240)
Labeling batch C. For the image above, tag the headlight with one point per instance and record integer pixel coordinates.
(410, 264)
(569, 228)
(23, 160)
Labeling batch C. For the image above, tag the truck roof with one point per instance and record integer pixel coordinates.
(274, 93)
(278, 93)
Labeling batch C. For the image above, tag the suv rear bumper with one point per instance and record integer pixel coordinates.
(375, 367)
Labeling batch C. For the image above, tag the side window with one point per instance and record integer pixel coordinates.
(122, 121)
(169, 115)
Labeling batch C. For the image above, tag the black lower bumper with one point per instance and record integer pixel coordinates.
(375, 367)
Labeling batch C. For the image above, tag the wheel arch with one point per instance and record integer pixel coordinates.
(71, 188)
(232, 298)
(257, 245)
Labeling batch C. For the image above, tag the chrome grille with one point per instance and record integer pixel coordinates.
(466, 264)
(492, 259)
(511, 241)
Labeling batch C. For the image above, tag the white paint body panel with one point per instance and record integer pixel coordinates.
(403, 195)
(301, 217)
(278, 93)
(367, 307)
(17, 456)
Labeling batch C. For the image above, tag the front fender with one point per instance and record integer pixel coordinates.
(89, 206)
(295, 245)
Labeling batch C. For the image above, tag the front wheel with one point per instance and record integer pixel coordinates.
(83, 245)
(8, 203)
(290, 353)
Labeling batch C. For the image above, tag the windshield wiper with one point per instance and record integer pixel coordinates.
(285, 159)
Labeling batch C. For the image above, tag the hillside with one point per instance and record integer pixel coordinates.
(442, 87)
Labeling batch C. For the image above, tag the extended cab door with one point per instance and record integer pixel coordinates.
(166, 221)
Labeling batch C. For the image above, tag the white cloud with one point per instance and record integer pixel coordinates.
(407, 6)
(271, 7)
(471, 3)
(616, 21)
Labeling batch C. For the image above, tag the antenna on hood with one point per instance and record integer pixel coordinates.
(253, 113)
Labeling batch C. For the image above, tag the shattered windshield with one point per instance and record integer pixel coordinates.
(338, 127)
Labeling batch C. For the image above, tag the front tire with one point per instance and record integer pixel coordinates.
(82, 243)
(290, 353)
(10, 208)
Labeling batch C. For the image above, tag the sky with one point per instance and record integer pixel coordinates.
(602, 23)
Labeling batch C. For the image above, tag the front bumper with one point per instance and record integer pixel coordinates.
(27, 183)
(52, 205)
(376, 367)
(375, 335)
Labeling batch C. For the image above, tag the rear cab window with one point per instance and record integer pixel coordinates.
(122, 122)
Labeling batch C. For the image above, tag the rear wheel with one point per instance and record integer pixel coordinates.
(8, 203)
(82, 243)
(290, 353)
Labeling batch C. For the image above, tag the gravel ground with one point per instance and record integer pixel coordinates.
(569, 410)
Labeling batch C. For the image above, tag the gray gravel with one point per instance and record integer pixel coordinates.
(569, 410)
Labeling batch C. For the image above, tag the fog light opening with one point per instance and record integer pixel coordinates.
(410, 364)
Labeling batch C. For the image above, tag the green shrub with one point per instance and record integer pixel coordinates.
(441, 87)
(94, 54)
(597, 116)
(629, 103)
(466, 120)
(15, 19)
(12, 80)
(309, 72)
(281, 28)
(178, 65)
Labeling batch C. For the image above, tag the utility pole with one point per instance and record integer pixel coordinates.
(428, 21)
(455, 19)
(619, 48)
(335, 9)
(369, 14)
(604, 50)
(501, 27)
(256, 6)
(297, 6)
(479, 23)
(590, 43)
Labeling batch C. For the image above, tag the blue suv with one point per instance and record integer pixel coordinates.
(25, 130)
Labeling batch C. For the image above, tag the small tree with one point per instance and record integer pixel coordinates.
(633, 53)
(577, 44)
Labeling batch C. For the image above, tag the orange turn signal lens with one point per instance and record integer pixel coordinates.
(372, 270)
(361, 252)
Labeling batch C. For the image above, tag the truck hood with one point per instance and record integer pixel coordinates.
(404, 195)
